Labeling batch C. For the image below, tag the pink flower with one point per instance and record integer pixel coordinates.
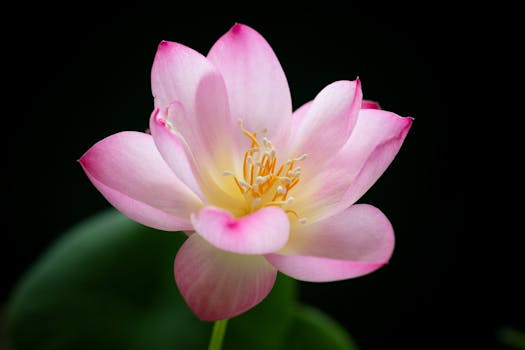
(257, 188)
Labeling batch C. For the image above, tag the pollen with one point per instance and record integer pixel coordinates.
(263, 183)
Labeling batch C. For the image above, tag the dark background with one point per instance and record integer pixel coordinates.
(77, 74)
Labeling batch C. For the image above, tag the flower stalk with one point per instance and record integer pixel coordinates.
(217, 335)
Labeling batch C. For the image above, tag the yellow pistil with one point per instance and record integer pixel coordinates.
(261, 185)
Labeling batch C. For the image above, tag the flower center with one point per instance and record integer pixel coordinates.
(263, 183)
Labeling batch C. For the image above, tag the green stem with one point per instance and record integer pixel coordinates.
(219, 328)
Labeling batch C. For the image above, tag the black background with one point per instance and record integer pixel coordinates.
(78, 73)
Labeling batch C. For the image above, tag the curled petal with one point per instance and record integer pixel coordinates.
(350, 244)
(129, 171)
(173, 147)
(195, 173)
(219, 285)
(375, 141)
(263, 231)
(328, 122)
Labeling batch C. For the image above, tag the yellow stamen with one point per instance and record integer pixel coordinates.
(290, 167)
(290, 211)
(261, 185)
(251, 136)
(272, 167)
(238, 184)
(244, 164)
(280, 170)
(263, 164)
(294, 182)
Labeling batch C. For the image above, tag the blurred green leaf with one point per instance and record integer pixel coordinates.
(265, 326)
(512, 337)
(313, 329)
(108, 284)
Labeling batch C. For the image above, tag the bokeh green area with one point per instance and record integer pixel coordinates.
(108, 283)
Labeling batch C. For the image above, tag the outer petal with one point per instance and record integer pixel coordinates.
(350, 244)
(130, 173)
(370, 105)
(195, 173)
(260, 232)
(184, 75)
(375, 141)
(176, 73)
(257, 88)
(173, 147)
(219, 285)
(328, 122)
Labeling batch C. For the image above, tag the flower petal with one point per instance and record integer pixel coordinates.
(140, 211)
(172, 146)
(281, 140)
(129, 171)
(176, 73)
(375, 141)
(327, 124)
(263, 231)
(183, 75)
(350, 244)
(219, 285)
(370, 105)
(375, 165)
(257, 88)
(299, 113)
(198, 175)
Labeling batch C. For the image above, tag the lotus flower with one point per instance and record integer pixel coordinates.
(256, 188)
